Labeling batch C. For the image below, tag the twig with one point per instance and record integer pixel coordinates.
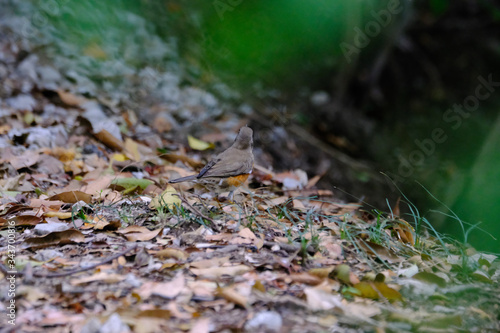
(73, 271)
(197, 212)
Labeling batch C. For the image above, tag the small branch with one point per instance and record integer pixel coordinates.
(197, 212)
(73, 271)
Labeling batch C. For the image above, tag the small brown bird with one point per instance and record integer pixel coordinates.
(228, 170)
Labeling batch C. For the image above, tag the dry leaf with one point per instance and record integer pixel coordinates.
(217, 272)
(109, 140)
(177, 254)
(59, 215)
(132, 150)
(233, 296)
(168, 198)
(71, 99)
(197, 144)
(72, 197)
(376, 290)
(103, 277)
(55, 238)
(20, 220)
(320, 298)
(169, 289)
(135, 233)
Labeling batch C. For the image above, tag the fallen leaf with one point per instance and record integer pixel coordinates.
(167, 198)
(177, 254)
(430, 278)
(55, 238)
(201, 326)
(72, 197)
(231, 295)
(197, 144)
(217, 272)
(109, 140)
(136, 233)
(376, 290)
(132, 150)
(26, 160)
(103, 277)
(320, 298)
(169, 289)
(130, 183)
(380, 251)
(20, 220)
(172, 158)
(70, 99)
(214, 262)
(59, 215)
(306, 278)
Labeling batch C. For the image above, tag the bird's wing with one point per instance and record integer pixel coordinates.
(208, 167)
(223, 167)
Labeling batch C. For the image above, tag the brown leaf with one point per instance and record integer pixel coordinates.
(233, 296)
(306, 278)
(55, 238)
(109, 140)
(169, 289)
(177, 254)
(72, 197)
(132, 150)
(20, 220)
(103, 277)
(380, 251)
(321, 298)
(172, 158)
(59, 215)
(54, 204)
(26, 160)
(136, 233)
(214, 262)
(70, 99)
(215, 273)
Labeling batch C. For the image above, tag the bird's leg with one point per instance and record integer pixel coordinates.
(218, 202)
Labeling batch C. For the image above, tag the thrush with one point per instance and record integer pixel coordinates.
(228, 170)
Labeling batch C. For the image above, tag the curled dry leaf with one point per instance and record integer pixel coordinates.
(70, 99)
(169, 289)
(321, 298)
(55, 238)
(59, 215)
(109, 140)
(198, 144)
(20, 220)
(231, 295)
(72, 197)
(380, 251)
(177, 254)
(136, 233)
(103, 277)
(168, 198)
(214, 273)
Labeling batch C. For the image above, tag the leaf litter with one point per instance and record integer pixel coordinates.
(102, 243)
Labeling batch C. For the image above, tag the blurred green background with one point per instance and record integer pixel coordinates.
(387, 73)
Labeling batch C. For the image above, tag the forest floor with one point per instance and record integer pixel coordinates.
(93, 239)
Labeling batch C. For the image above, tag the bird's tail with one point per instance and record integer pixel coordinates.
(182, 179)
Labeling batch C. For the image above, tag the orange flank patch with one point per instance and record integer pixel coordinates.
(237, 180)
